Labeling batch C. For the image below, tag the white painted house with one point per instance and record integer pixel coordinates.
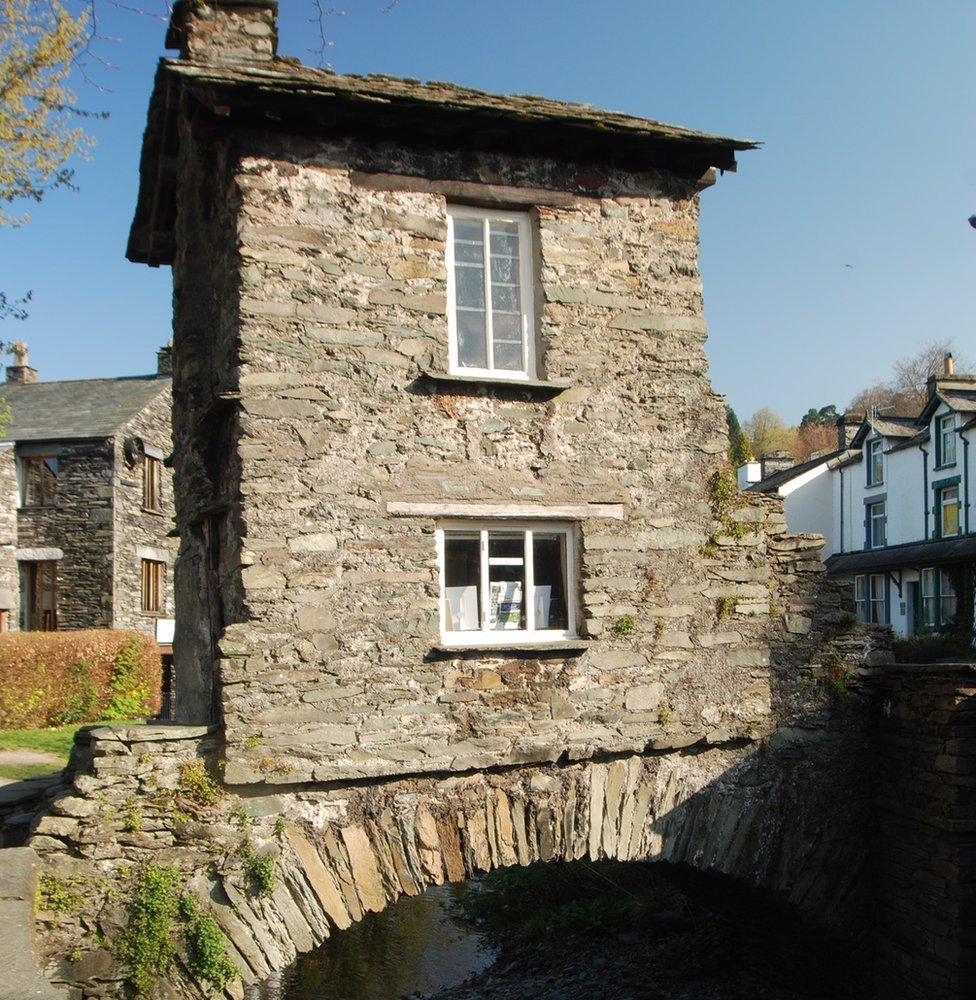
(894, 506)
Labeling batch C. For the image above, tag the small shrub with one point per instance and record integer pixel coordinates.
(838, 673)
(624, 625)
(260, 870)
(206, 946)
(197, 786)
(146, 947)
(59, 895)
(931, 648)
(725, 608)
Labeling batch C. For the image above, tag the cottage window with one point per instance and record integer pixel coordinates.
(506, 582)
(945, 440)
(939, 599)
(875, 448)
(152, 484)
(39, 480)
(948, 511)
(876, 523)
(489, 288)
(152, 586)
(871, 598)
(39, 585)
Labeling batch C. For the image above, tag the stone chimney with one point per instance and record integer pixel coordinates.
(164, 360)
(775, 461)
(224, 31)
(20, 371)
(847, 426)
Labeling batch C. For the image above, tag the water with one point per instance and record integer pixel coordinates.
(413, 947)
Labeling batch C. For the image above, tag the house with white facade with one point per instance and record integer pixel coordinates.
(894, 506)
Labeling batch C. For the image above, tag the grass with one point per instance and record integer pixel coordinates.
(53, 741)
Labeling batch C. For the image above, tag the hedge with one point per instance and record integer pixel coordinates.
(64, 678)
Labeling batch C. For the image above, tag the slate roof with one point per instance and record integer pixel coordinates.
(937, 552)
(70, 410)
(777, 479)
(282, 94)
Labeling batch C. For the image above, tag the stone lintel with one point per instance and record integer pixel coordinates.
(513, 511)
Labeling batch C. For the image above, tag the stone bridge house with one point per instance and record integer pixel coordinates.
(86, 502)
(461, 580)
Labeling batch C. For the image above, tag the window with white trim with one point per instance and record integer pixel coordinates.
(939, 600)
(875, 449)
(877, 520)
(506, 581)
(489, 293)
(945, 439)
(948, 511)
(871, 598)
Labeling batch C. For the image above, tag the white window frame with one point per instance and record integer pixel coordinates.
(509, 637)
(945, 502)
(947, 595)
(875, 445)
(861, 604)
(526, 294)
(873, 520)
(929, 592)
(878, 599)
(945, 426)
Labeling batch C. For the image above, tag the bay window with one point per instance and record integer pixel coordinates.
(505, 581)
(489, 291)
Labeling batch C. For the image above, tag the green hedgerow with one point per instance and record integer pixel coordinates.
(130, 697)
(146, 947)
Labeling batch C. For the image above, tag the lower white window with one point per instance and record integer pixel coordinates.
(506, 581)
(871, 598)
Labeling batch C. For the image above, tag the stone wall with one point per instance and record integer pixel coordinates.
(140, 533)
(311, 334)
(788, 816)
(80, 524)
(926, 848)
(9, 502)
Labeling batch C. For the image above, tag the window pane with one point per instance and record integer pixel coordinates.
(505, 270)
(549, 567)
(506, 579)
(504, 298)
(462, 579)
(508, 356)
(504, 239)
(469, 229)
(470, 253)
(472, 343)
(506, 327)
(470, 286)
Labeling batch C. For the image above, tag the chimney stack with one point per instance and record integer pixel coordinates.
(847, 426)
(20, 372)
(164, 360)
(949, 364)
(775, 461)
(227, 32)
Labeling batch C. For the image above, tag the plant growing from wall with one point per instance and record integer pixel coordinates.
(624, 625)
(146, 947)
(838, 674)
(206, 946)
(196, 787)
(724, 494)
(725, 608)
(261, 874)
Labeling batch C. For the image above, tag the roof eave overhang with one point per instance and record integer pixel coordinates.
(251, 105)
(938, 552)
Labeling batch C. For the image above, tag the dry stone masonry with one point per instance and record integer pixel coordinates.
(338, 751)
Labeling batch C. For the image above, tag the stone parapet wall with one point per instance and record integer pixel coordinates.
(786, 816)
(9, 502)
(926, 849)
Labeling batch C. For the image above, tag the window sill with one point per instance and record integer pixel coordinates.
(155, 513)
(542, 388)
(555, 647)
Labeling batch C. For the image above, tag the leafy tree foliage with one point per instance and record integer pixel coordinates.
(739, 450)
(768, 432)
(39, 40)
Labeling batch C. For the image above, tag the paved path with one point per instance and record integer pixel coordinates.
(55, 761)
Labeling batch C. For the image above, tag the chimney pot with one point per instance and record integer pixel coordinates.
(224, 31)
(20, 372)
(949, 364)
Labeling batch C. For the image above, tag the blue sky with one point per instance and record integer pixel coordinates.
(866, 111)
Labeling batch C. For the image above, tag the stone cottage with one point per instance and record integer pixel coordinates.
(87, 502)
(445, 445)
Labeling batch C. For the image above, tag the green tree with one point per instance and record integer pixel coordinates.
(739, 451)
(768, 432)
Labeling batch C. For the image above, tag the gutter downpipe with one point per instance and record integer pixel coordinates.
(925, 489)
(841, 509)
(965, 472)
